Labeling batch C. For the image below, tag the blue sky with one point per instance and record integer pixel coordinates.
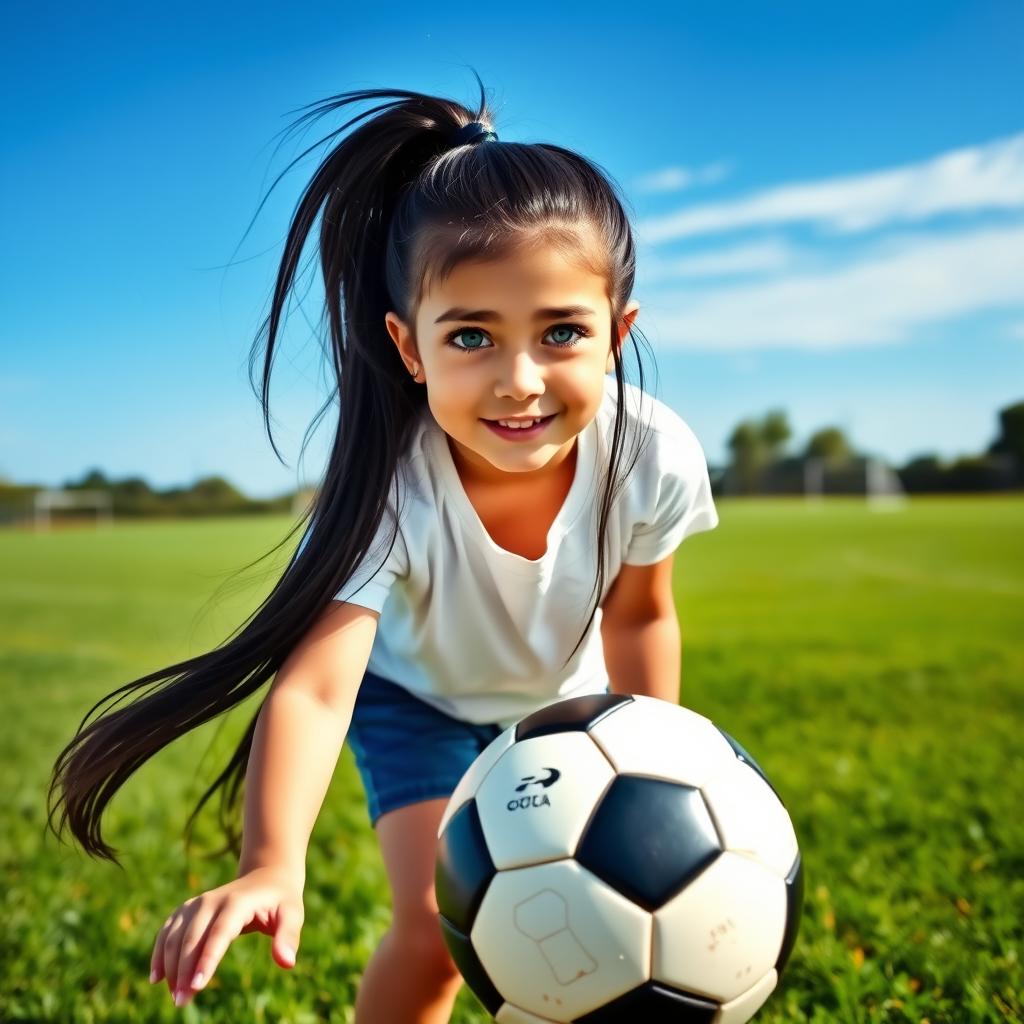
(829, 203)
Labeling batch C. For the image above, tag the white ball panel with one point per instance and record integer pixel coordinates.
(654, 737)
(541, 823)
(751, 818)
(509, 1014)
(742, 1008)
(475, 774)
(723, 932)
(559, 941)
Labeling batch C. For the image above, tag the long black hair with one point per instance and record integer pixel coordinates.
(400, 206)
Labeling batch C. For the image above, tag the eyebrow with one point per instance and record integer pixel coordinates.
(552, 313)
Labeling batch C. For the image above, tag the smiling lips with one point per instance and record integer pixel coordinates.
(519, 418)
(520, 433)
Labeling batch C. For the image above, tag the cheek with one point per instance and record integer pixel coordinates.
(581, 384)
(454, 372)
(453, 398)
(456, 387)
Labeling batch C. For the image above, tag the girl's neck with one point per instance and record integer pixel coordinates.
(476, 471)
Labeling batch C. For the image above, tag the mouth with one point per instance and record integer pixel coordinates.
(520, 433)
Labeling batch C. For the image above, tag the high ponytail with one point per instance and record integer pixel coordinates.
(386, 194)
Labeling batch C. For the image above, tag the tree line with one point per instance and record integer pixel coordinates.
(134, 497)
(760, 463)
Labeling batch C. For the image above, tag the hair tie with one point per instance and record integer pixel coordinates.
(473, 132)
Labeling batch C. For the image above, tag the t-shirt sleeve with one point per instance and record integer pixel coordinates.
(684, 504)
(371, 581)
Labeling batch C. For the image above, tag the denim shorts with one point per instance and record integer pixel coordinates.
(407, 750)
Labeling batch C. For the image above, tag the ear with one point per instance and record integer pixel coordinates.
(402, 336)
(629, 314)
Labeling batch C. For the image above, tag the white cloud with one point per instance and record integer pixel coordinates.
(773, 255)
(675, 179)
(968, 180)
(881, 297)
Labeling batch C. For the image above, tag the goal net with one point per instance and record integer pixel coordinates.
(872, 478)
(71, 504)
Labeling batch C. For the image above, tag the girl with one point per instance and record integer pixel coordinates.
(480, 494)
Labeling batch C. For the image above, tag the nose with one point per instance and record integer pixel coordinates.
(519, 377)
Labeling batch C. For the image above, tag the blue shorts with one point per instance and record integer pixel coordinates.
(406, 750)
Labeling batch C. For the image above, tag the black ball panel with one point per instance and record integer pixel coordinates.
(794, 911)
(648, 838)
(653, 1003)
(573, 714)
(464, 868)
(470, 967)
(747, 758)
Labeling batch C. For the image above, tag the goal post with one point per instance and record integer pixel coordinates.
(873, 478)
(883, 486)
(51, 499)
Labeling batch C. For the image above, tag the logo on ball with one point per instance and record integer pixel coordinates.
(531, 780)
(536, 800)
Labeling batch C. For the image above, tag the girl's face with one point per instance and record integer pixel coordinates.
(523, 336)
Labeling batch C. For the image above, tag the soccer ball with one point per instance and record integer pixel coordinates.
(615, 859)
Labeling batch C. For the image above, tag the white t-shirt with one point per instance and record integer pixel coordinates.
(480, 632)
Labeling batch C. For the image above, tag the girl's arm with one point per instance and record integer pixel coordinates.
(640, 632)
(299, 735)
(644, 657)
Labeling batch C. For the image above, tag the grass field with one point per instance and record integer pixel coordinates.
(872, 662)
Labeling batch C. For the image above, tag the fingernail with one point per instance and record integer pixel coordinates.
(180, 997)
(199, 980)
(152, 974)
(288, 953)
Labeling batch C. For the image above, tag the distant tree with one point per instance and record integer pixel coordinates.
(208, 495)
(94, 479)
(134, 497)
(756, 444)
(980, 473)
(775, 432)
(747, 447)
(745, 442)
(216, 489)
(1011, 436)
(829, 443)
(133, 488)
(756, 441)
(923, 473)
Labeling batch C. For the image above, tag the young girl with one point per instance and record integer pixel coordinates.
(491, 495)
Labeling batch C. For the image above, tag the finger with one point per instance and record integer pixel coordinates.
(193, 937)
(225, 927)
(156, 959)
(289, 929)
(172, 944)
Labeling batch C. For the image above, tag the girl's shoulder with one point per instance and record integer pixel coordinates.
(672, 444)
(671, 496)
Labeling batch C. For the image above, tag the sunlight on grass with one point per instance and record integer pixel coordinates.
(871, 662)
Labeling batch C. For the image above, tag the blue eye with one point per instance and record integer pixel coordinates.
(579, 329)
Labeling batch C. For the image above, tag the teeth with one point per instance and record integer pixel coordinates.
(524, 425)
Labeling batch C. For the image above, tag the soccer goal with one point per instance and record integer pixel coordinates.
(870, 477)
(59, 500)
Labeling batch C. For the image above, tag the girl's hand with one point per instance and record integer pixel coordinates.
(197, 934)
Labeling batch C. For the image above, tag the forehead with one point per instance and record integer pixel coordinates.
(517, 284)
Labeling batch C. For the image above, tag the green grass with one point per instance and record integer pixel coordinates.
(872, 662)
